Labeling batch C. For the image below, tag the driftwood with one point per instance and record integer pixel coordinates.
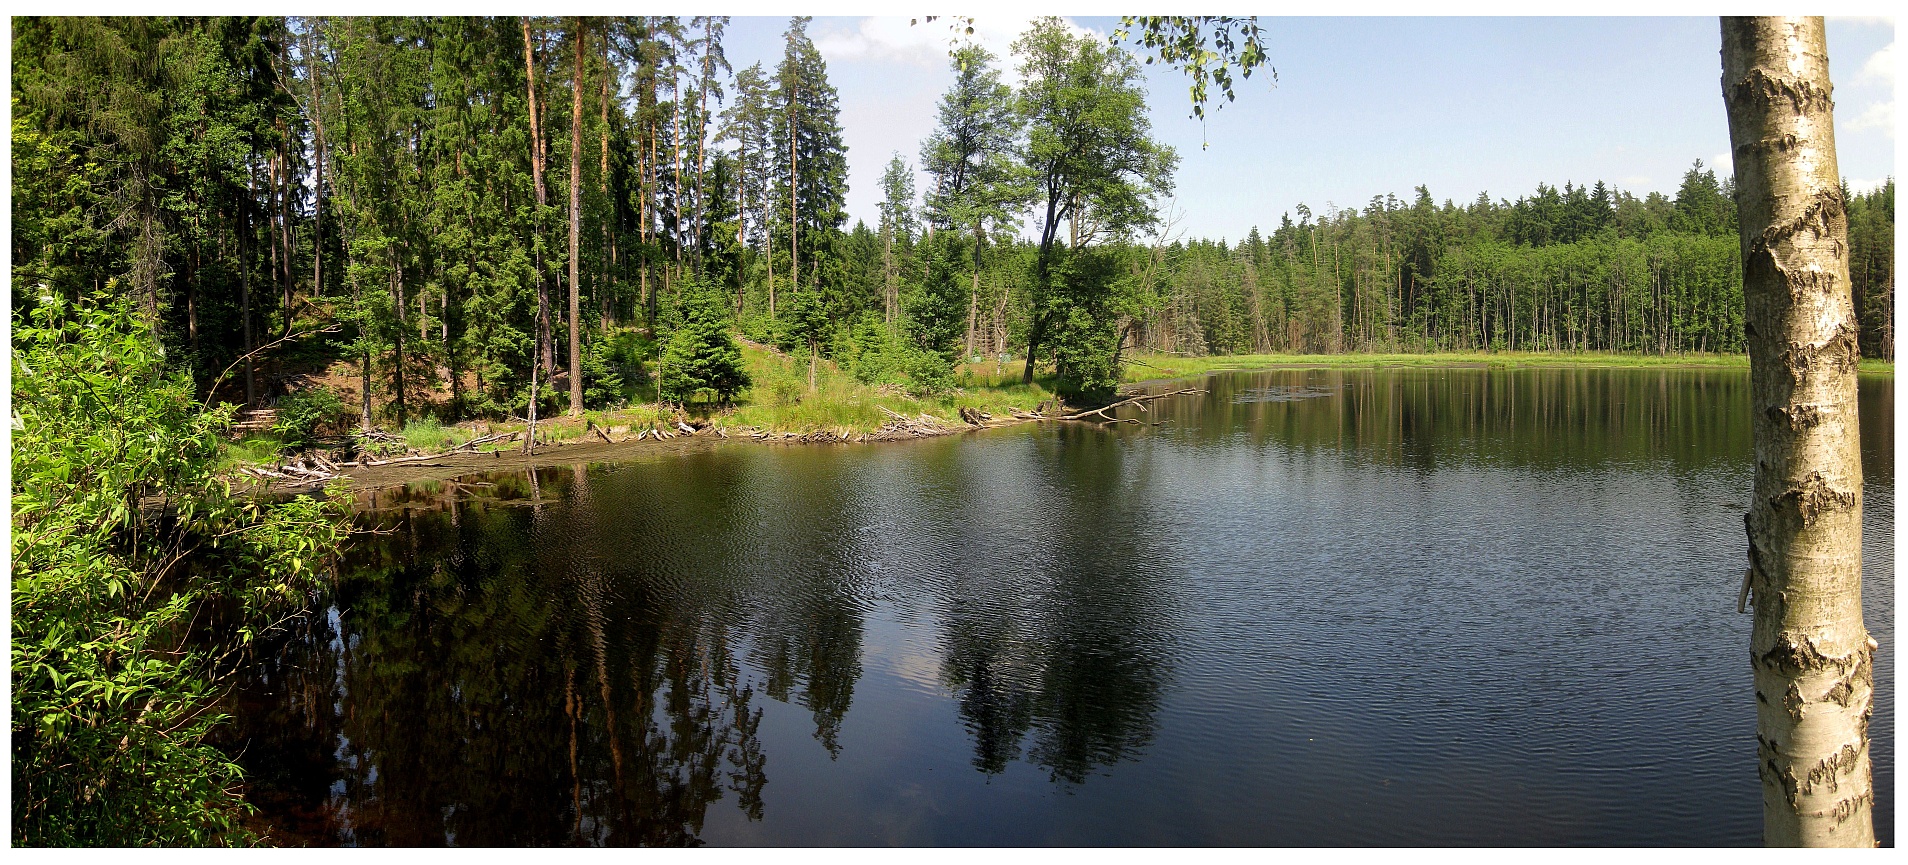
(1140, 401)
(1087, 415)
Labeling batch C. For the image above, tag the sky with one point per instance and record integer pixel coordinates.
(1370, 106)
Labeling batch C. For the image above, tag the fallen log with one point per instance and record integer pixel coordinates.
(1138, 400)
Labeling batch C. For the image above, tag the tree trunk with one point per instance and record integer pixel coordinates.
(576, 213)
(542, 353)
(973, 292)
(397, 342)
(245, 293)
(650, 291)
(607, 289)
(318, 182)
(1810, 653)
(794, 213)
(887, 275)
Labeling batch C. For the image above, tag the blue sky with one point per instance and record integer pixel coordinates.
(1369, 106)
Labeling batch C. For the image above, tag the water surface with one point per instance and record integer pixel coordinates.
(1375, 606)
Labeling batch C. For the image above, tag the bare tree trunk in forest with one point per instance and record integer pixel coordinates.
(530, 414)
(450, 350)
(318, 184)
(741, 215)
(1809, 650)
(245, 293)
(272, 190)
(794, 217)
(973, 292)
(577, 38)
(650, 291)
(287, 241)
(702, 138)
(544, 352)
(607, 289)
(675, 151)
(364, 364)
(999, 344)
(397, 348)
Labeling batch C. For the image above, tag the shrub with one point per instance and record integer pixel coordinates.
(303, 415)
(112, 682)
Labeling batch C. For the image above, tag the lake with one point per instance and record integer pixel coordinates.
(1313, 607)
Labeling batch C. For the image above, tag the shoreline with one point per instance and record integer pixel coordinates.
(455, 463)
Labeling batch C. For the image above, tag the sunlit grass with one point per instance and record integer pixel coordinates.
(429, 435)
(256, 449)
(779, 398)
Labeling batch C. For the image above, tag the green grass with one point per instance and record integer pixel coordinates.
(779, 398)
(250, 451)
(429, 435)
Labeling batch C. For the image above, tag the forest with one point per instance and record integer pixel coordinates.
(463, 211)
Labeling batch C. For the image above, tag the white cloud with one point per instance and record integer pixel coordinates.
(1881, 64)
(1880, 115)
(925, 44)
(886, 40)
(1635, 181)
(1722, 163)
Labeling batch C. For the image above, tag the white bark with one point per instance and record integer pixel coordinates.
(1809, 650)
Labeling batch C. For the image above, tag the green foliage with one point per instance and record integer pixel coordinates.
(302, 415)
(1093, 294)
(873, 352)
(701, 355)
(1207, 57)
(123, 538)
(613, 369)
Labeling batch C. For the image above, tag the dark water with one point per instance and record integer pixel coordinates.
(1319, 607)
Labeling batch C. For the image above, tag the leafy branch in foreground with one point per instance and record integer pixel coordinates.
(137, 577)
(1205, 47)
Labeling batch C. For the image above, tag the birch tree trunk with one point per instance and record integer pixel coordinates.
(1809, 650)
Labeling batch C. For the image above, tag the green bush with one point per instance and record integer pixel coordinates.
(701, 355)
(303, 415)
(613, 369)
(136, 571)
(874, 353)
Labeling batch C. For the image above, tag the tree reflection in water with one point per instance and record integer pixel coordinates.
(1068, 643)
(426, 706)
(557, 658)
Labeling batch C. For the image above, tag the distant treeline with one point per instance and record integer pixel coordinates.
(1582, 268)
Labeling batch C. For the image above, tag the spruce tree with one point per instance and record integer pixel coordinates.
(701, 355)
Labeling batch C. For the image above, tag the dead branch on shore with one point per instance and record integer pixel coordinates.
(1140, 401)
(1087, 415)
